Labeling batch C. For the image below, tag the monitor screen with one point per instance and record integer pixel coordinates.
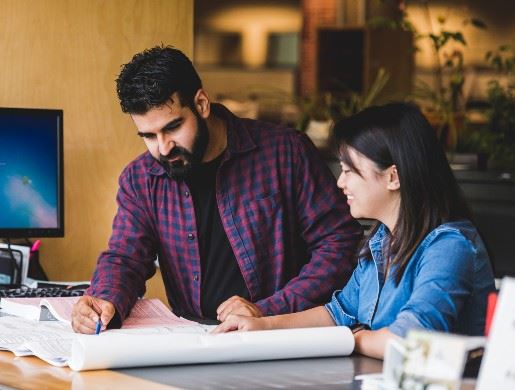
(31, 173)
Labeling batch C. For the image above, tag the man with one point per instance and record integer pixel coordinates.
(244, 216)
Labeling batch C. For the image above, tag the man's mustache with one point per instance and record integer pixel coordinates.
(174, 153)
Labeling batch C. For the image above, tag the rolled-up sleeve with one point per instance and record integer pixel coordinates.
(443, 283)
(122, 270)
(344, 304)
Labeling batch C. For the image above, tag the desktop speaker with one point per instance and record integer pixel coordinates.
(10, 266)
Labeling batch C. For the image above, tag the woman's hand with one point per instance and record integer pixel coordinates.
(315, 317)
(373, 342)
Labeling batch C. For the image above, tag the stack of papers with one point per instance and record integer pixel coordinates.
(153, 335)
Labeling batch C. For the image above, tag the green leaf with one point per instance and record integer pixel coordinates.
(434, 37)
(478, 23)
(497, 63)
(457, 36)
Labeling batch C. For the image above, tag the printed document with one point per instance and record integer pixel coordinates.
(155, 336)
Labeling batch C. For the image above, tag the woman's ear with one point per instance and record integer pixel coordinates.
(202, 104)
(393, 179)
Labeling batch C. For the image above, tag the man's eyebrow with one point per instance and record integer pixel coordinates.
(170, 125)
(173, 123)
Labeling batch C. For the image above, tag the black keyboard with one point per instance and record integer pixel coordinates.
(42, 292)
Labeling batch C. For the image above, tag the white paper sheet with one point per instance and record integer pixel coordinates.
(54, 351)
(15, 330)
(178, 342)
(110, 350)
(22, 307)
(145, 313)
(24, 337)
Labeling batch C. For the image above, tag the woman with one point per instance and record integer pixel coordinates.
(423, 265)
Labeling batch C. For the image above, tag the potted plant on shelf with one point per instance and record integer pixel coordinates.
(444, 103)
(497, 136)
(320, 111)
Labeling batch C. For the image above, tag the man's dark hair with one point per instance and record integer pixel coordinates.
(153, 76)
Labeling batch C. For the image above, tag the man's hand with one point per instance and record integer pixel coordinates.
(237, 305)
(87, 311)
(243, 323)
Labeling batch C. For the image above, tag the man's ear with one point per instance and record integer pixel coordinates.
(393, 179)
(202, 104)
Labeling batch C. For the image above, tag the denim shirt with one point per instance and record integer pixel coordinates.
(444, 286)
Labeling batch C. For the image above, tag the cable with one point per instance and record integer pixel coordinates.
(16, 265)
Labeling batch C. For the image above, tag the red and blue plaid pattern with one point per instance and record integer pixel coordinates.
(288, 224)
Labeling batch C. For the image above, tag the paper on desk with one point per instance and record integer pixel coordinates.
(23, 307)
(111, 350)
(195, 328)
(52, 341)
(152, 312)
(60, 307)
(145, 313)
(30, 308)
(53, 351)
(180, 341)
(16, 334)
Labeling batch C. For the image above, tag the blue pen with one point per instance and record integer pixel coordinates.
(99, 326)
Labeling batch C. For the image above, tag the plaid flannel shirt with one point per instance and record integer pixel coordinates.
(288, 224)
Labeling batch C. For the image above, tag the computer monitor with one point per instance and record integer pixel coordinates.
(31, 173)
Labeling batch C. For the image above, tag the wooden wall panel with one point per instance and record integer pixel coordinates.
(66, 54)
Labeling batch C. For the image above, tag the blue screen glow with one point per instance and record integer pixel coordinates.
(28, 170)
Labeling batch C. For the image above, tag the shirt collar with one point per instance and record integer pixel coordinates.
(376, 241)
(239, 139)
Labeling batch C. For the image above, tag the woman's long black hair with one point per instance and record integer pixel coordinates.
(398, 134)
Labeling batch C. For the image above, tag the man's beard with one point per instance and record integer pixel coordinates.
(187, 161)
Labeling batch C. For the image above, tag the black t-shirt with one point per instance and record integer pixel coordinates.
(221, 275)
